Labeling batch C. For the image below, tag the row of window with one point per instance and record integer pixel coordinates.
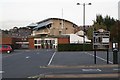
(44, 46)
(44, 41)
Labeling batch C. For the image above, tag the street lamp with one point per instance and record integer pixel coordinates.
(84, 19)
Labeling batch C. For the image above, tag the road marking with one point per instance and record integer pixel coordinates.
(116, 69)
(91, 70)
(115, 75)
(51, 58)
(84, 66)
(37, 53)
(99, 57)
(1, 72)
(37, 76)
(27, 57)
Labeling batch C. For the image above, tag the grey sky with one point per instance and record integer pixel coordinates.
(21, 13)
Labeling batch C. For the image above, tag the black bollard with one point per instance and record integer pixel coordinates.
(115, 56)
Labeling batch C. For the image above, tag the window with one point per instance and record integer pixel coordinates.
(38, 47)
(35, 47)
(45, 41)
(42, 41)
(35, 41)
(0, 46)
(5, 46)
(60, 32)
(39, 41)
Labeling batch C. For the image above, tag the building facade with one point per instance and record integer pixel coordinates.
(47, 42)
(47, 34)
(54, 26)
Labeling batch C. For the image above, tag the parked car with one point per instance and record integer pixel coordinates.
(6, 48)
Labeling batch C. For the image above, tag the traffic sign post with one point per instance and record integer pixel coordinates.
(101, 42)
(95, 57)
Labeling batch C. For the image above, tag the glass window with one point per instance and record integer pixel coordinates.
(42, 41)
(60, 32)
(0, 46)
(39, 41)
(35, 47)
(48, 41)
(38, 47)
(53, 41)
(5, 46)
(45, 41)
(35, 41)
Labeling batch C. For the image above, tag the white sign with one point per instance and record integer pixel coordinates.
(105, 40)
(115, 45)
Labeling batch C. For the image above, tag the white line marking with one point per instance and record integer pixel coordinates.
(27, 57)
(39, 78)
(116, 69)
(37, 53)
(99, 57)
(1, 72)
(85, 70)
(51, 58)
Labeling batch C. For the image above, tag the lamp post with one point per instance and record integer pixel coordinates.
(83, 20)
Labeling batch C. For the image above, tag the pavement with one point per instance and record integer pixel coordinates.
(48, 64)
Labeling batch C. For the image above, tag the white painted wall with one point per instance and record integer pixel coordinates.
(77, 39)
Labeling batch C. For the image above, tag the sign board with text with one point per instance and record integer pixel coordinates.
(101, 40)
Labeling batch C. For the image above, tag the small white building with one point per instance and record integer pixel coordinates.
(80, 33)
(74, 38)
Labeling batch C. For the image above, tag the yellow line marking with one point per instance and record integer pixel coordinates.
(82, 76)
(115, 75)
(83, 66)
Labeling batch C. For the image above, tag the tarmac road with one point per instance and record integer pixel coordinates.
(32, 63)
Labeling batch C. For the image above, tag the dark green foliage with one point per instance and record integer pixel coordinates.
(106, 21)
(75, 47)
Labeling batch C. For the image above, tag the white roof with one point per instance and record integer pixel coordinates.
(33, 24)
(80, 33)
(77, 39)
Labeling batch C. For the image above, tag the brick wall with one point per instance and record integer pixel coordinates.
(31, 43)
(63, 40)
(6, 40)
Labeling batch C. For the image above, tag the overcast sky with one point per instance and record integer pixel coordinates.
(21, 13)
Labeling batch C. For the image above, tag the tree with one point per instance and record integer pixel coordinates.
(99, 19)
(115, 32)
(107, 21)
(90, 33)
(99, 26)
(95, 27)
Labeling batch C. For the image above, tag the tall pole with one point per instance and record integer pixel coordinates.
(83, 21)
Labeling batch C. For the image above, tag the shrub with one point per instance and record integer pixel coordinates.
(75, 47)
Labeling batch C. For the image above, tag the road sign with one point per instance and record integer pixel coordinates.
(101, 40)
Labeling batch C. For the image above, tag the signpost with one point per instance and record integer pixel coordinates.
(101, 42)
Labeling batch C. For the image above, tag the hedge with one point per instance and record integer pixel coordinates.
(75, 47)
